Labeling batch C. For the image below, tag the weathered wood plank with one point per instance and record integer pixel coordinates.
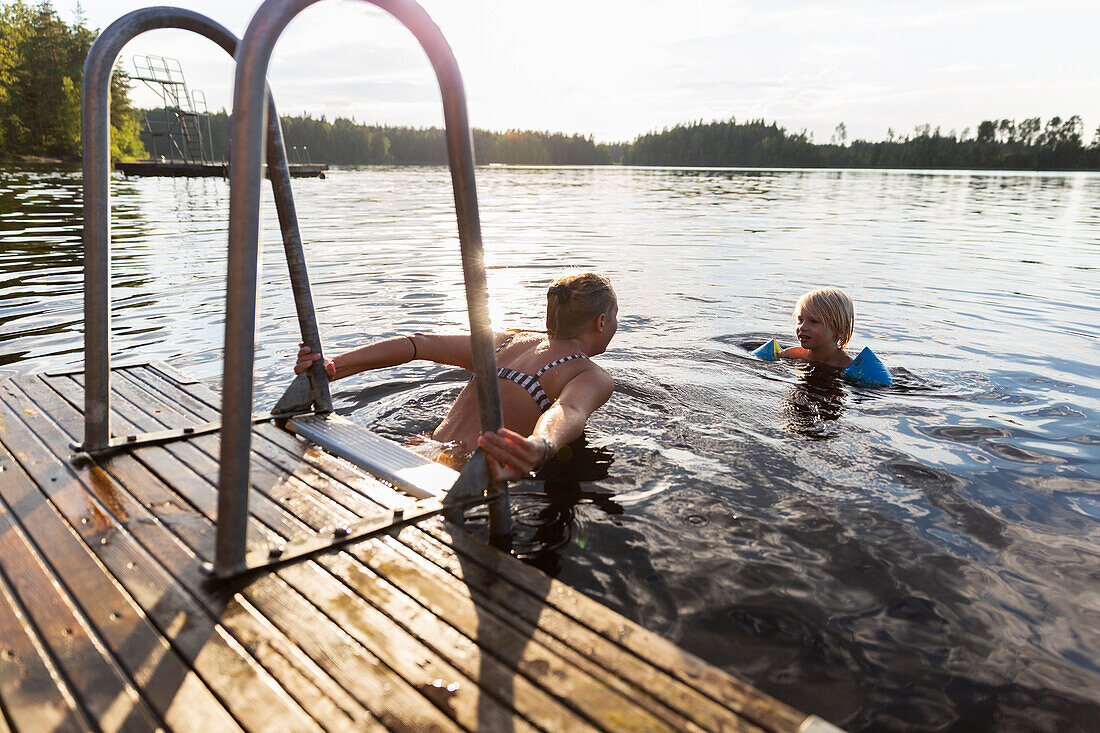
(102, 688)
(327, 645)
(341, 652)
(272, 492)
(3, 720)
(465, 706)
(298, 673)
(517, 596)
(295, 450)
(381, 634)
(550, 692)
(735, 694)
(531, 616)
(33, 695)
(90, 500)
(165, 681)
(642, 675)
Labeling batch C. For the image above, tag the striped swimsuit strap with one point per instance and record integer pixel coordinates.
(531, 383)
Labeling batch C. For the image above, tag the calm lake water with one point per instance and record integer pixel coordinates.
(921, 557)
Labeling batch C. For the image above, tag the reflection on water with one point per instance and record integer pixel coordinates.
(547, 520)
(815, 403)
(925, 556)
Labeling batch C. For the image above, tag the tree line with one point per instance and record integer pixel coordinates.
(41, 70)
(999, 144)
(346, 142)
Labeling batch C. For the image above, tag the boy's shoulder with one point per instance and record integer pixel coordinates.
(795, 352)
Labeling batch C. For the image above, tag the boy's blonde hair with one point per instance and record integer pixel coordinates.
(575, 299)
(835, 308)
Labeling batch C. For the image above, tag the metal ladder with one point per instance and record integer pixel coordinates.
(307, 405)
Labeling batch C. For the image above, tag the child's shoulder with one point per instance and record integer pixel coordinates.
(795, 352)
(842, 360)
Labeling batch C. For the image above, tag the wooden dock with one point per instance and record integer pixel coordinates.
(181, 169)
(107, 622)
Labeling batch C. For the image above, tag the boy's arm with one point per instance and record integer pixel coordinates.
(513, 456)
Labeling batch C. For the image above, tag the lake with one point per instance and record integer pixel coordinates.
(919, 557)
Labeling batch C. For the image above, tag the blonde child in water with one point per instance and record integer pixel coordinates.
(824, 319)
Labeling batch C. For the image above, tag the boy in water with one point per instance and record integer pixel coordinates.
(824, 320)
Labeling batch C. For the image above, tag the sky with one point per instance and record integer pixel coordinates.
(616, 69)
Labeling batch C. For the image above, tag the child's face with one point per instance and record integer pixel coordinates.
(812, 332)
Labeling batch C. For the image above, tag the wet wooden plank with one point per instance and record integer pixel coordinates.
(327, 646)
(303, 679)
(426, 608)
(383, 636)
(3, 721)
(33, 694)
(689, 700)
(571, 636)
(102, 688)
(93, 502)
(275, 496)
(407, 693)
(298, 458)
(165, 680)
(581, 613)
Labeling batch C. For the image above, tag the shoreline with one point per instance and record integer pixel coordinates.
(75, 160)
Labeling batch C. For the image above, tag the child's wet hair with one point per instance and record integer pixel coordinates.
(834, 308)
(575, 299)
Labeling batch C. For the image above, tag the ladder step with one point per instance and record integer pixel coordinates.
(408, 471)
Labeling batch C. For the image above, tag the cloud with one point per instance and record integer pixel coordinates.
(618, 69)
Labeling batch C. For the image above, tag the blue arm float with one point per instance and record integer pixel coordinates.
(769, 351)
(867, 369)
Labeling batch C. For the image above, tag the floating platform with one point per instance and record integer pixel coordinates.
(180, 169)
(108, 623)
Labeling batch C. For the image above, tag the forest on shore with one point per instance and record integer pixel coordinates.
(998, 144)
(41, 69)
(1001, 144)
(346, 142)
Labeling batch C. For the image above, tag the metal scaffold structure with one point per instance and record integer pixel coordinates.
(180, 128)
(179, 134)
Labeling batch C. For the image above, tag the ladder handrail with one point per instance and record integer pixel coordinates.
(96, 170)
(249, 94)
